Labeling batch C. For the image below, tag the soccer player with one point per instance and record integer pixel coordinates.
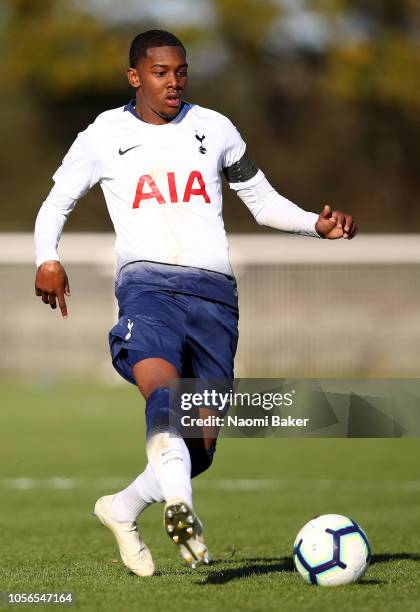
(159, 161)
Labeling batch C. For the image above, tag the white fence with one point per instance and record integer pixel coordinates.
(308, 307)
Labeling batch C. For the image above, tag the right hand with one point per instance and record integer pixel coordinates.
(52, 284)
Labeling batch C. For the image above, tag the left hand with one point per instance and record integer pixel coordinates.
(335, 224)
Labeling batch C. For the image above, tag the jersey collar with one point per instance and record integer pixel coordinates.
(131, 108)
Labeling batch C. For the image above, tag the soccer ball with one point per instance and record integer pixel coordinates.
(331, 550)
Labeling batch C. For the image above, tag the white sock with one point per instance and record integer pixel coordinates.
(139, 495)
(171, 463)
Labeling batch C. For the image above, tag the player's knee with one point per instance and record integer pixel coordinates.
(201, 459)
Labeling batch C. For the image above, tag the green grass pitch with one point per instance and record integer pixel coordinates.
(62, 446)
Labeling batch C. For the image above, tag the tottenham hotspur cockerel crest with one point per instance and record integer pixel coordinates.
(201, 148)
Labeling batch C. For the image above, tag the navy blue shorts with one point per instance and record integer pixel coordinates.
(186, 316)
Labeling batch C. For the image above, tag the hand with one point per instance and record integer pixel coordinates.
(51, 283)
(335, 224)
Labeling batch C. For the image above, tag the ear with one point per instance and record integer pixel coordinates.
(133, 78)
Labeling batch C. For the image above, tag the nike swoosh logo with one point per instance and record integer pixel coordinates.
(124, 151)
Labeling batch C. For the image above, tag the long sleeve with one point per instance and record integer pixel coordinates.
(267, 206)
(49, 224)
(79, 171)
(273, 210)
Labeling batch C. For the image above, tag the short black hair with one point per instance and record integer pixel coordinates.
(149, 39)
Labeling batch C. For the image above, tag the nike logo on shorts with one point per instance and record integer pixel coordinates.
(124, 151)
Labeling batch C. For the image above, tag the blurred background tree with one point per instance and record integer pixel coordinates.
(325, 92)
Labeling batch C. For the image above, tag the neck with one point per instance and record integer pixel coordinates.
(148, 115)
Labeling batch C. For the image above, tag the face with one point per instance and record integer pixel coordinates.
(160, 79)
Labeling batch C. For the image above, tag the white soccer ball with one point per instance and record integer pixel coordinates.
(331, 550)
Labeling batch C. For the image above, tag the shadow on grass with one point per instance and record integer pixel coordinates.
(257, 566)
(246, 568)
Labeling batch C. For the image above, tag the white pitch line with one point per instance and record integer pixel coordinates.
(60, 483)
(218, 484)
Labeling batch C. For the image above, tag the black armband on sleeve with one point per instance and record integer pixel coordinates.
(242, 171)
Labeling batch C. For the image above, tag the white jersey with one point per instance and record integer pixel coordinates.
(163, 188)
(162, 183)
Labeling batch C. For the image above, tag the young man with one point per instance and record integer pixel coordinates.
(159, 161)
